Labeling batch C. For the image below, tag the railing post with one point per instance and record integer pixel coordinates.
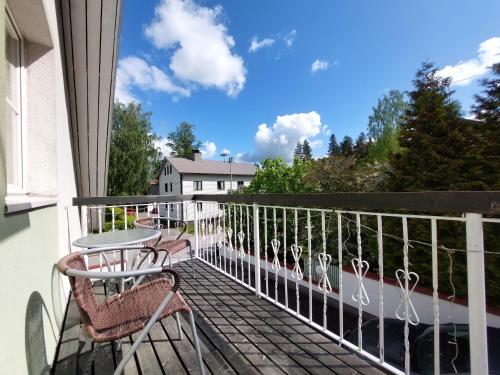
(83, 220)
(476, 290)
(256, 247)
(196, 243)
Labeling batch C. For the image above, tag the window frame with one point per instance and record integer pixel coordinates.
(240, 184)
(199, 206)
(195, 185)
(19, 188)
(223, 184)
(166, 187)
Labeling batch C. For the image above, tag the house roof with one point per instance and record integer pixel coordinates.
(211, 167)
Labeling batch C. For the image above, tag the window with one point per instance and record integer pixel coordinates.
(221, 185)
(169, 169)
(199, 206)
(171, 187)
(166, 188)
(13, 111)
(166, 167)
(241, 184)
(197, 185)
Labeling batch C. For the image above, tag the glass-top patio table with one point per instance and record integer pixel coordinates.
(117, 238)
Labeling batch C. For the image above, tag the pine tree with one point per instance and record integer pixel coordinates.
(487, 110)
(306, 150)
(346, 146)
(298, 151)
(333, 147)
(431, 138)
(361, 147)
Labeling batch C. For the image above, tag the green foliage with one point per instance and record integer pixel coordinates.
(383, 125)
(306, 150)
(276, 176)
(133, 156)
(346, 148)
(431, 137)
(333, 147)
(303, 150)
(487, 109)
(298, 151)
(182, 141)
(119, 224)
(344, 174)
(360, 148)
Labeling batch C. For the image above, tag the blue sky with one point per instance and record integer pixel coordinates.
(192, 61)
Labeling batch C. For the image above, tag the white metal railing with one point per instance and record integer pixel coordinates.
(327, 267)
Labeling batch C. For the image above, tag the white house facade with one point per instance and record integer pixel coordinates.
(181, 176)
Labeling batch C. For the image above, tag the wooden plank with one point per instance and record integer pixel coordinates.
(93, 76)
(165, 351)
(184, 348)
(66, 360)
(70, 81)
(131, 366)
(79, 47)
(104, 357)
(146, 356)
(230, 353)
(118, 17)
(212, 357)
(107, 55)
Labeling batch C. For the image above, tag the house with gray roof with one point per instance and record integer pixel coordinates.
(180, 176)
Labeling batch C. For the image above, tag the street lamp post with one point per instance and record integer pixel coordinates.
(224, 154)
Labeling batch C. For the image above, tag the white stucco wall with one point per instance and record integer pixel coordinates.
(32, 241)
(41, 119)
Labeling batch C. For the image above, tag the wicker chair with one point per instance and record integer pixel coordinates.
(130, 311)
(170, 247)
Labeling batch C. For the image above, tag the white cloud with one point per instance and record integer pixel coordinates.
(225, 151)
(134, 72)
(464, 72)
(256, 44)
(290, 38)
(209, 149)
(316, 143)
(281, 138)
(202, 47)
(318, 65)
(161, 144)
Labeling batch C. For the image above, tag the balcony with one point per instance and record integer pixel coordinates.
(394, 283)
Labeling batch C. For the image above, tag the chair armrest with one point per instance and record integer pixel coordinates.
(125, 274)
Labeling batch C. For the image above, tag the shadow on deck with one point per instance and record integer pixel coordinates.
(239, 334)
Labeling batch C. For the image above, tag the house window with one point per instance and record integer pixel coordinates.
(166, 167)
(169, 169)
(221, 185)
(166, 188)
(199, 206)
(14, 130)
(171, 187)
(241, 184)
(197, 185)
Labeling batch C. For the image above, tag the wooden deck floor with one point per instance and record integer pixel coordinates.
(239, 334)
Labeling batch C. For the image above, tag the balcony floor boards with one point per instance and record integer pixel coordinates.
(239, 334)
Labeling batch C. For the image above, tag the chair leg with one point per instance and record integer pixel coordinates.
(192, 260)
(196, 344)
(179, 327)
